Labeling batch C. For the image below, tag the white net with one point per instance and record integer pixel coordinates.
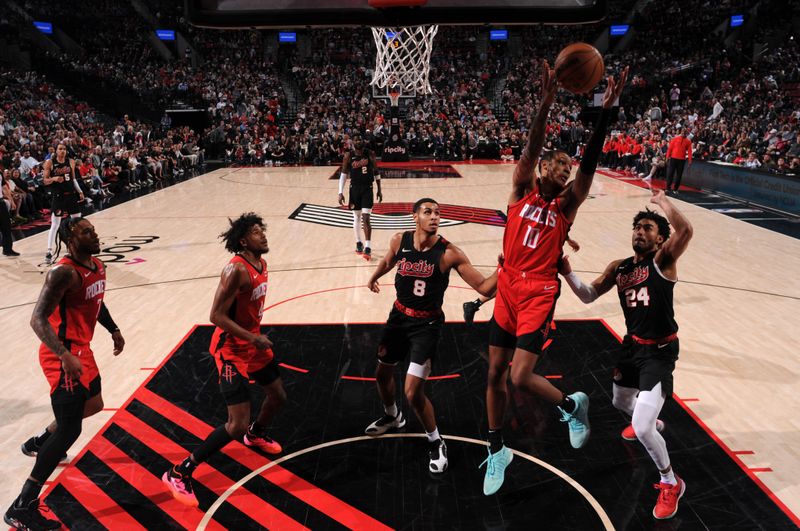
(404, 57)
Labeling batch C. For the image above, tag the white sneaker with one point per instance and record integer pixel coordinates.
(438, 456)
(385, 423)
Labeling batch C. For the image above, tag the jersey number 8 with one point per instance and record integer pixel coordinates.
(419, 288)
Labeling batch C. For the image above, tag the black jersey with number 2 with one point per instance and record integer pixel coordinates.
(419, 281)
(646, 298)
(362, 171)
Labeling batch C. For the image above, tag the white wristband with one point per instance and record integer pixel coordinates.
(342, 179)
(585, 292)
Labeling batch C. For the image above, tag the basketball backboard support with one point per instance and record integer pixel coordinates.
(354, 13)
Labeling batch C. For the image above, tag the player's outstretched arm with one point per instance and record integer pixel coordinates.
(456, 258)
(386, 264)
(522, 182)
(588, 292)
(59, 281)
(234, 277)
(579, 191)
(674, 247)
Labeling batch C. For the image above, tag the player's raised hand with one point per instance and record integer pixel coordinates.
(658, 197)
(614, 88)
(549, 84)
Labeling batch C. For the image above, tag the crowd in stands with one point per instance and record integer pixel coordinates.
(111, 157)
(734, 109)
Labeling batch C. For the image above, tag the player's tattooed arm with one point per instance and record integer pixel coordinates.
(58, 282)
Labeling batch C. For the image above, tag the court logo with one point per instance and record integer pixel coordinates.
(396, 216)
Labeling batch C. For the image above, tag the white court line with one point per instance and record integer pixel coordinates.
(233, 488)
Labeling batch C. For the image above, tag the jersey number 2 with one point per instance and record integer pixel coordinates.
(419, 288)
(632, 296)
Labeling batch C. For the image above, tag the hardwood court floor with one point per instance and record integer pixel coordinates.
(737, 302)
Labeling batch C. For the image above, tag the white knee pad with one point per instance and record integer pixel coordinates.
(366, 211)
(420, 371)
(624, 398)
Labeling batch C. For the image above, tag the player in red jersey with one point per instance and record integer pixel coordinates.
(68, 308)
(540, 213)
(241, 351)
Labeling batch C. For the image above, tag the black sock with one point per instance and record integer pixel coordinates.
(495, 440)
(257, 429)
(185, 467)
(568, 405)
(30, 491)
(213, 443)
(40, 439)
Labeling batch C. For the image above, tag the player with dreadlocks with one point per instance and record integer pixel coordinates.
(241, 351)
(68, 308)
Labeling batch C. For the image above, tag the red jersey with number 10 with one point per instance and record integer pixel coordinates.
(535, 233)
(75, 317)
(246, 309)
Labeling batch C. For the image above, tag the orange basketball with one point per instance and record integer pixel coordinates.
(579, 67)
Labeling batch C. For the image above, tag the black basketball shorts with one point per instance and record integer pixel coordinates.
(644, 366)
(414, 337)
(361, 197)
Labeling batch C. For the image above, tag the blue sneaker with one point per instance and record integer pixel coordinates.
(496, 465)
(578, 421)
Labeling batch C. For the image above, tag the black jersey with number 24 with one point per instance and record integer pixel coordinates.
(646, 298)
(419, 281)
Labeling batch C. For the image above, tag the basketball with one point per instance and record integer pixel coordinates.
(579, 67)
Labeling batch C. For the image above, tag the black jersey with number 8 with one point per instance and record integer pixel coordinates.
(419, 281)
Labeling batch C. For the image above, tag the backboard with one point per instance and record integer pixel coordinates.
(343, 13)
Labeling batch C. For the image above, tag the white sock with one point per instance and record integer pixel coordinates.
(391, 410)
(669, 477)
(434, 435)
(368, 243)
(55, 223)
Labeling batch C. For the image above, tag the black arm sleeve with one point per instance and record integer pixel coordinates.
(595, 146)
(104, 318)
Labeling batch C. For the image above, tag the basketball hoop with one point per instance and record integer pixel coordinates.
(404, 57)
(394, 95)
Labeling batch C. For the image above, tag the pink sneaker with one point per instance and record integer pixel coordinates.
(181, 488)
(265, 444)
(629, 435)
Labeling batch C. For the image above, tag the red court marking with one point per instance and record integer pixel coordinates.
(744, 452)
(358, 378)
(301, 489)
(214, 480)
(691, 399)
(445, 377)
(147, 368)
(546, 344)
(312, 293)
(613, 333)
(291, 367)
(765, 469)
(97, 502)
(110, 409)
(553, 376)
(142, 480)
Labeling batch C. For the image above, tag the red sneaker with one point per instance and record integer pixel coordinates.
(265, 444)
(667, 504)
(180, 487)
(629, 435)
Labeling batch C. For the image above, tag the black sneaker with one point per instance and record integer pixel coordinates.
(48, 259)
(359, 247)
(28, 517)
(470, 309)
(437, 452)
(31, 449)
(10, 252)
(367, 252)
(385, 423)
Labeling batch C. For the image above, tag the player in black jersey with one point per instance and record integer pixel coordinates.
(359, 164)
(643, 376)
(424, 260)
(61, 178)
